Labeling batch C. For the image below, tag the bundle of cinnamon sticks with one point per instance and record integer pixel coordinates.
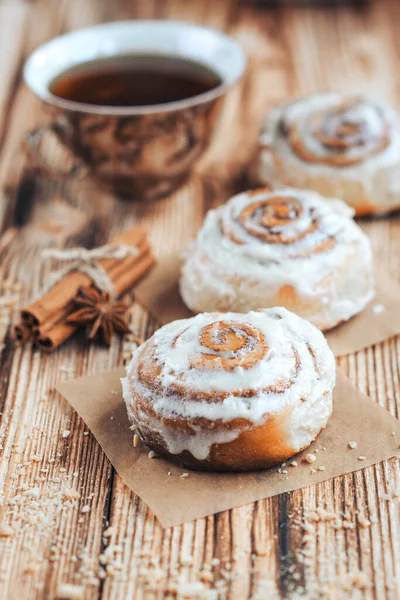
(46, 320)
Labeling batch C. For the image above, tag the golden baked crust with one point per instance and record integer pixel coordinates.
(255, 449)
(230, 392)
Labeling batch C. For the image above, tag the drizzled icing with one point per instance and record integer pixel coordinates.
(215, 368)
(272, 226)
(335, 131)
(262, 240)
(338, 145)
(341, 133)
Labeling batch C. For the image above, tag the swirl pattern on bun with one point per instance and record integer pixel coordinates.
(341, 146)
(231, 391)
(340, 134)
(287, 222)
(284, 247)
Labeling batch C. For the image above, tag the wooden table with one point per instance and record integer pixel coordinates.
(108, 542)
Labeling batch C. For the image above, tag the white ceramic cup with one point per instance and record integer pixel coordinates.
(146, 151)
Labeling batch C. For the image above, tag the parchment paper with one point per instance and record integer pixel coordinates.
(159, 293)
(175, 500)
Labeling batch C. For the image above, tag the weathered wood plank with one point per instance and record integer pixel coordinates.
(276, 547)
(53, 538)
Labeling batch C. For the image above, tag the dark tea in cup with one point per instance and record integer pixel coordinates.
(136, 102)
(135, 80)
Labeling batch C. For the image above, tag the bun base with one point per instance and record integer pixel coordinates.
(253, 450)
(339, 296)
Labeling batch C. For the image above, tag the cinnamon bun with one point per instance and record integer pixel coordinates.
(341, 146)
(286, 247)
(231, 392)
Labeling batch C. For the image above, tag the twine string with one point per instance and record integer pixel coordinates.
(86, 261)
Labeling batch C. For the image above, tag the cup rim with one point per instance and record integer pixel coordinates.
(43, 91)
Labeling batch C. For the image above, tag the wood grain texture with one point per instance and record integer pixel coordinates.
(106, 540)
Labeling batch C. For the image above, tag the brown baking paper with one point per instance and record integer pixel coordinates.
(159, 293)
(175, 500)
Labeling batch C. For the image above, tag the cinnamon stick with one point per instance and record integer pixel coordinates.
(56, 330)
(22, 333)
(46, 319)
(51, 339)
(65, 290)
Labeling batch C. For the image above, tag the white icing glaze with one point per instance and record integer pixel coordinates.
(247, 391)
(198, 445)
(373, 182)
(222, 274)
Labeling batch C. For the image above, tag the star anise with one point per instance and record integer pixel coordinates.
(95, 308)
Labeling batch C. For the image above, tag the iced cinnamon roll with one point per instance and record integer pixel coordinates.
(231, 391)
(348, 147)
(282, 247)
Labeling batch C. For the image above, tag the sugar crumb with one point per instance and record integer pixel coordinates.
(36, 458)
(310, 458)
(69, 591)
(33, 492)
(6, 531)
(72, 494)
(378, 308)
(363, 521)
